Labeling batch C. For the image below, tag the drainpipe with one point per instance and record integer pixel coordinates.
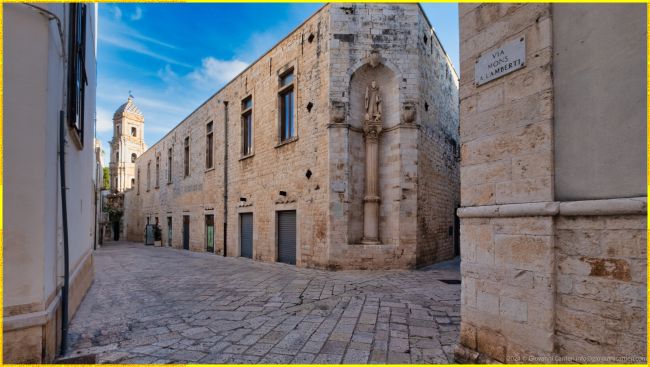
(64, 216)
(225, 178)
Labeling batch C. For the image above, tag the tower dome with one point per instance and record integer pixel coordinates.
(128, 107)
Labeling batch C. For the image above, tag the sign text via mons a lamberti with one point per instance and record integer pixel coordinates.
(500, 61)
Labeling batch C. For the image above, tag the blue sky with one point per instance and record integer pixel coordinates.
(172, 57)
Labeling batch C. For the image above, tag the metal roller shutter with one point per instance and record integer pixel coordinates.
(287, 237)
(246, 235)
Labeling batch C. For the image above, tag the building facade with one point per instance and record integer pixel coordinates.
(338, 148)
(553, 184)
(49, 182)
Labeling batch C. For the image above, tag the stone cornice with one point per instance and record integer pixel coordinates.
(625, 206)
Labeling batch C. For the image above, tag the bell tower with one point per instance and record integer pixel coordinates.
(127, 145)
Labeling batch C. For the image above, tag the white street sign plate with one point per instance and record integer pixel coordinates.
(500, 61)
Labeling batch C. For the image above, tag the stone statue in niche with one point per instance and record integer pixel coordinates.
(373, 102)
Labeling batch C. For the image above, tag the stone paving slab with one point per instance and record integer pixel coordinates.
(163, 305)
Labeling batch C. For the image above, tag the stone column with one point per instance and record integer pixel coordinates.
(371, 198)
(371, 131)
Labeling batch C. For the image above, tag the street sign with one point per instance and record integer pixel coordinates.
(500, 61)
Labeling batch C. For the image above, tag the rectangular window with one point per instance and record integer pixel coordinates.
(157, 171)
(287, 124)
(186, 157)
(247, 126)
(148, 175)
(169, 165)
(208, 146)
(138, 181)
(77, 79)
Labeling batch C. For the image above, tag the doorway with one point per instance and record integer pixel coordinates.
(246, 235)
(209, 233)
(186, 232)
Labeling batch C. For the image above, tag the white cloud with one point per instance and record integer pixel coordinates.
(134, 46)
(167, 74)
(137, 14)
(213, 71)
(117, 13)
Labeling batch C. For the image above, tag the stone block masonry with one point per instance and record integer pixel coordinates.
(319, 171)
(545, 280)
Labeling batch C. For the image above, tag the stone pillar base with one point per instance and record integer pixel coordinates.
(370, 241)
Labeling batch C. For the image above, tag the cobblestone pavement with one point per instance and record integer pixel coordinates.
(162, 305)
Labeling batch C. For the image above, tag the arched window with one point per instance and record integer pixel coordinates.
(133, 157)
(117, 156)
(132, 182)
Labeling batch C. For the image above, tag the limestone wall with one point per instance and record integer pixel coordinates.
(438, 150)
(259, 178)
(543, 280)
(411, 75)
(601, 292)
(322, 172)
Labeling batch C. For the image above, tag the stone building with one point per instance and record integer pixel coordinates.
(553, 183)
(49, 85)
(127, 145)
(338, 148)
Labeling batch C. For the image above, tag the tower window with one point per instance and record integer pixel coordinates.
(134, 132)
(133, 157)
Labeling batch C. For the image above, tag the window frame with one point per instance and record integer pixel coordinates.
(283, 90)
(157, 171)
(247, 114)
(77, 78)
(169, 165)
(186, 157)
(149, 175)
(209, 146)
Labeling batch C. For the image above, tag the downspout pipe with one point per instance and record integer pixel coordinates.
(225, 178)
(64, 216)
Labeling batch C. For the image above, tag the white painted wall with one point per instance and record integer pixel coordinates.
(34, 93)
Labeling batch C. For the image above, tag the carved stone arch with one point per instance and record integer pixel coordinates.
(371, 59)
